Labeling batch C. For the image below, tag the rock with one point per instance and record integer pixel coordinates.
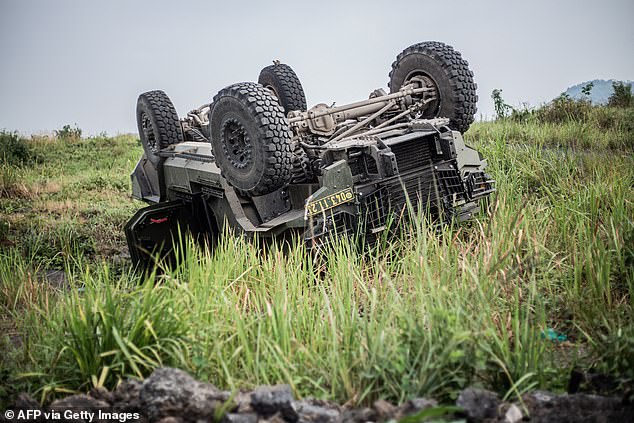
(513, 414)
(102, 394)
(359, 415)
(384, 409)
(240, 418)
(79, 404)
(243, 403)
(172, 396)
(548, 407)
(478, 404)
(173, 393)
(539, 399)
(268, 400)
(316, 411)
(80, 401)
(275, 418)
(126, 396)
(171, 420)
(24, 402)
(414, 406)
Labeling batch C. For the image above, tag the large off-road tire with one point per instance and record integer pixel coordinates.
(285, 85)
(251, 138)
(158, 123)
(450, 74)
(301, 167)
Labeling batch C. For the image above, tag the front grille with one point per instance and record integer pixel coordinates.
(323, 229)
(479, 184)
(412, 154)
(414, 190)
(450, 181)
(375, 207)
(430, 191)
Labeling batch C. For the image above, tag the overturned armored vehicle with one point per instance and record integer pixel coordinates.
(256, 159)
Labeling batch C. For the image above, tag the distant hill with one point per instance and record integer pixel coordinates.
(601, 90)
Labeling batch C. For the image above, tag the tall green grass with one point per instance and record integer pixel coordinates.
(427, 313)
(584, 127)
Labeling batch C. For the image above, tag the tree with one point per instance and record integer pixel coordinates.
(501, 108)
(586, 90)
(622, 95)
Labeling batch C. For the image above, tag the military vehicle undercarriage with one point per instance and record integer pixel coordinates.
(257, 161)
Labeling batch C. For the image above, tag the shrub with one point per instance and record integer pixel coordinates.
(586, 90)
(501, 108)
(13, 149)
(524, 114)
(69, 133)
(563, 109)
(622, 95)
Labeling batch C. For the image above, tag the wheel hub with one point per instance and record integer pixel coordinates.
(236, 143)
(431, 99)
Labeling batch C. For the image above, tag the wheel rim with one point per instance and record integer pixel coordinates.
(148, 132)
(425, 80)
(236, 143)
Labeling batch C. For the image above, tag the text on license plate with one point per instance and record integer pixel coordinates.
(329, 201)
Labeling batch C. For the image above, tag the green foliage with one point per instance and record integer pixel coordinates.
(11, 182)
(604, 128)
(69, 133)
(116, 329)
(615, 350)
(564, 109)
(622, 96)
(73, 198)
(14, 150)
(586, 90)
(501, 108)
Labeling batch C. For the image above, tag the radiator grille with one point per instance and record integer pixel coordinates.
(418, 189)
(412, 154)
(451, 182)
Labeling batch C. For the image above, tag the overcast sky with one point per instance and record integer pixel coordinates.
(85, 62)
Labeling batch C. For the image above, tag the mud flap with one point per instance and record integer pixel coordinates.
(154, 232)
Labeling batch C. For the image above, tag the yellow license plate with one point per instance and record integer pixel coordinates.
(329, 201)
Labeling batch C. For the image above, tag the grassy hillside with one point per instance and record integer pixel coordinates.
(602, 90)
(551, 257)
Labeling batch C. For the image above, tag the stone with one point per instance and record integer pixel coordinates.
(102, 394)
(384, 409)
(414, 406)
(243, 403)
(240, 418)
(359, 415)
(24, 402)
(316, 411)
(513, 414)
(547, 407)
(172, 392)
(171, 420)
(79, 403)
(478, 404)
(125, 398)
(268, 400)
(275, 418)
